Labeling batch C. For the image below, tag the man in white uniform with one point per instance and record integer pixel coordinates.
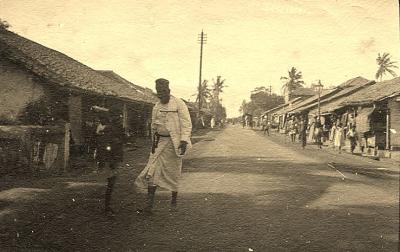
(171, 129)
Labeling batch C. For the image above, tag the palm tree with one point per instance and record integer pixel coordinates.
(204, 93)
(218, 88)
(219, 84)
(293, 81)
(385, 65)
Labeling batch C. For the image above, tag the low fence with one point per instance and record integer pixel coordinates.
(32, 149)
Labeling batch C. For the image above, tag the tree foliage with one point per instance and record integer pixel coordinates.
(204, 94)
(209, 98)
(218, 110)
(385, 65)
(219, 85)
(260, 100)
(293, 80)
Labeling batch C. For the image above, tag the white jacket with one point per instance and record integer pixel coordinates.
(178, 124)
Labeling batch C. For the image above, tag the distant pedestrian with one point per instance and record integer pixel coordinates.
(267, 127)
(171, 129)
(339, 137)
(353, 137)
(332, 133)
(303, 132)
(212, 122)
(318, 133)
(295, 129)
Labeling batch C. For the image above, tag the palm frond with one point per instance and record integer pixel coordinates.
(393, 73)
(385, 64)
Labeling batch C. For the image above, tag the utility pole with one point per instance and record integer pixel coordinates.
(270, 90)
(202, 39)
(319, 99)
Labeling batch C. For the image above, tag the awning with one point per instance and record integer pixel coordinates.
(363, 119)
(314, 112)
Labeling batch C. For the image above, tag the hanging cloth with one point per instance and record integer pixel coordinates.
(363, 119)
(50, 155)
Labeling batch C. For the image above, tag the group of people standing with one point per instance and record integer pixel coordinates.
(300, 129)
(171, 130)
(338, 134)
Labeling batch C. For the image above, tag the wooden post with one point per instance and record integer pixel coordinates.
(125, 124)
(75, 117)
(387, 129)
(67, 136)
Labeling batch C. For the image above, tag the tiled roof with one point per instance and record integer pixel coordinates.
(275, 109)
(145, 92)
(62, 70)
(335, 102)
(283, 108)
(345, 89)
(379, 91)
(324, 94)
(372, 93)
(301, 91)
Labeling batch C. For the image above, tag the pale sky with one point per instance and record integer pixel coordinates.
(250, 42)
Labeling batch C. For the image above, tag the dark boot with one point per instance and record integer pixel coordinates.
(151, 191)
(109, 189)
(174, 196)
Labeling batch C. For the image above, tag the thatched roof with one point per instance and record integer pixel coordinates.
(193, 108)
(62, 70)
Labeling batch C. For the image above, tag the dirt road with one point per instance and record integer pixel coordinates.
(240, 191)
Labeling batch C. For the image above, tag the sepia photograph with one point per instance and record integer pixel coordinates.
(201, 125)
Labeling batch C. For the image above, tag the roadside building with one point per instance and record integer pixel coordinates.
(326, 108)
(279, 116)
(136, 114)
(375, 111)
(47, 101)
(272, 116)
(373, 107)
(300, 92)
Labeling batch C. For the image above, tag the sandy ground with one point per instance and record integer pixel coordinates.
(240, 191)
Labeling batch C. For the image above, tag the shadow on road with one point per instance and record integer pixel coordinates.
(233, 203)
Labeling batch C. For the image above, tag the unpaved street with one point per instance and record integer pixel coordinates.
(241, 191)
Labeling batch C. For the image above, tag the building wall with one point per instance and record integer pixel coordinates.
(75, 117)
(394, 107)
(18, 89)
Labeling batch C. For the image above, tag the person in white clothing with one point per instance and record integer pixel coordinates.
(171, 130)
